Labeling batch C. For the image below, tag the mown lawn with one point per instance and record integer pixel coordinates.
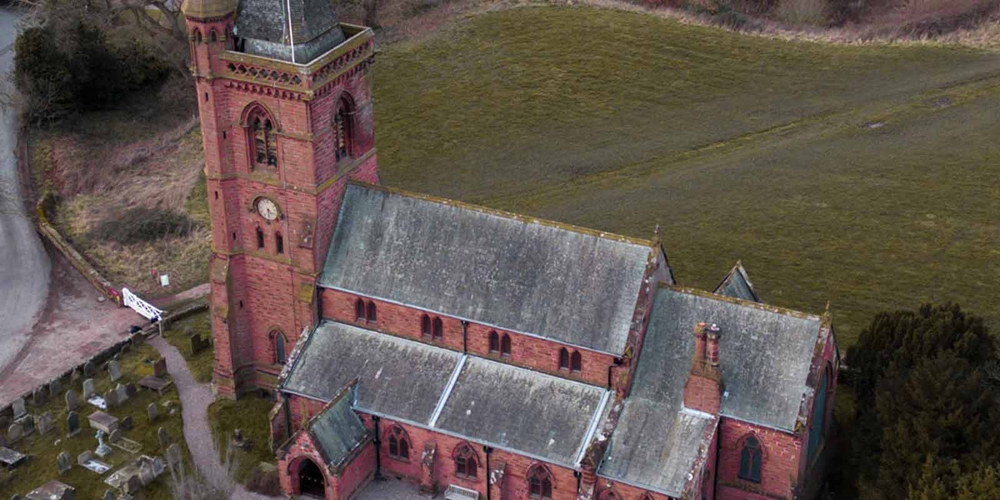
(861, 175)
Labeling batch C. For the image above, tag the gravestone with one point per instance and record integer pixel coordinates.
(15, 433)
(88, 388)
(131, 390)
(72, 400)
(115, 370)
(72, 424)
(27, 424)
(84, 457)
(198, 344)
(55, 387)
(43, 423)
(76, 375)
(121, 396)
(88, 369)
(63, 463)
(173, 456)
(111, 398)
(127, 423)
(152, 411)
(146, 473)
(164, 438)
(115, 436)
(38, 397)
(160, 368)
(108, 495)
(19, 409)
(3, 441)
(133, 485)
(158, 466)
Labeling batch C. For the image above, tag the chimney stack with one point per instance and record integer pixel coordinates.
(703, 389)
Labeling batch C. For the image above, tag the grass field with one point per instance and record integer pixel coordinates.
(862, 175)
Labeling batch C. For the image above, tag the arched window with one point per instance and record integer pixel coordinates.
(576, 362)
(438, 329)
(425, 326)
(646, 496)
(399, 443)
(196, 36)
(372, 312)
(466, 462)
(359, 310)
(343, 128)
(539, 483)
(505, 345)
(279, 348)
(494, 342)
(260, 239)
(563, 359)
(263, 141)
(750, 460)
(610, 495)
(215, 36)
(279, 243)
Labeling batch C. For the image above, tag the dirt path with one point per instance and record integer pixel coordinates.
(195, 399)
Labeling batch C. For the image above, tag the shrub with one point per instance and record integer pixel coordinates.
(803, 12)
(263, 479)
(42, 74)
(139, 225)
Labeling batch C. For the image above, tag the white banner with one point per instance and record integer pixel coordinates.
(141, 306)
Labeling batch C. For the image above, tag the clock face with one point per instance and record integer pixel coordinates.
(267, 209)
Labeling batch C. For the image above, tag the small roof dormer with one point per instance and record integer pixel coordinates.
(296, 31)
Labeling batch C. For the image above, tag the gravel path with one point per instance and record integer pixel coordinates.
(195, 399)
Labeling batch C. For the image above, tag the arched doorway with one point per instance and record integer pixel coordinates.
(311, 480)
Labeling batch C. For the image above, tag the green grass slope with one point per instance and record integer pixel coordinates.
(861, 175)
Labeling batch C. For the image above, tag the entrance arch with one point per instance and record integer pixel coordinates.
(310, 479)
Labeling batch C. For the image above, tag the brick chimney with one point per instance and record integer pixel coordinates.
(703, 389)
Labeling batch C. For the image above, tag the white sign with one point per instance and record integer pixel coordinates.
(164, 280)
(141, 306)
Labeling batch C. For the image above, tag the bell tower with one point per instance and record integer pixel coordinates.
(284, 94)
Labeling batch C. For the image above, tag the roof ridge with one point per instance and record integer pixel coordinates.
(784, 311)
(605, 235)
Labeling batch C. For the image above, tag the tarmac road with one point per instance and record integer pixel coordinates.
(24, 265)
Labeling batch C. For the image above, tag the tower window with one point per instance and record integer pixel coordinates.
(260, 238)
(263, 141)
(576, 362)
(399, 443)
(359, 310)
(563, 359)
(216, 195)
(280, 355)
(279, 243)
(466, 462)
(425, 325)
(505, 345)
(215, 37)
(343, 129)
(206, 96)
(494, 342)
(750, 458)
(438, 329)
(372, 312)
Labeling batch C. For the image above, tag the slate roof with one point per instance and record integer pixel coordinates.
(520, 409)
(264, 25)
(514, 408)
(737, 285)
(337, 430)
(570, 285)
(396, 376)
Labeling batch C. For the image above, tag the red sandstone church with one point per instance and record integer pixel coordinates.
(475, 353)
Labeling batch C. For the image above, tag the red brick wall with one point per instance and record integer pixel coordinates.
(357, 473)
(779, 464)
(526, 351)
(605, 489)
(302, 448)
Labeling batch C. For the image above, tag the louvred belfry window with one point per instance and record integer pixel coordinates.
(343, 127)
(263, 140)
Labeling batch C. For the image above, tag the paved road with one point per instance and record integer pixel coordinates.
(24, 265)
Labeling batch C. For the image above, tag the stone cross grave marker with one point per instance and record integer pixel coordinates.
(160, 368)
(72, 424)
(72, 400)
(88, 388)
(19, 409)
(63, 463)
(115, 370)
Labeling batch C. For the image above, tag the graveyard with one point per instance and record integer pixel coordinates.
(191, 336)
(110, 430)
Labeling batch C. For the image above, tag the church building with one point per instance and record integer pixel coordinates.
(473, 353)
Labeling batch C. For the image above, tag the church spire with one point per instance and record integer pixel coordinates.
(291, 30)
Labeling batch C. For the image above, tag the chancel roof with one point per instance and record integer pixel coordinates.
(271, 28)
(337, 430)
(737, 285)
(485, 401)
(565, 284)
